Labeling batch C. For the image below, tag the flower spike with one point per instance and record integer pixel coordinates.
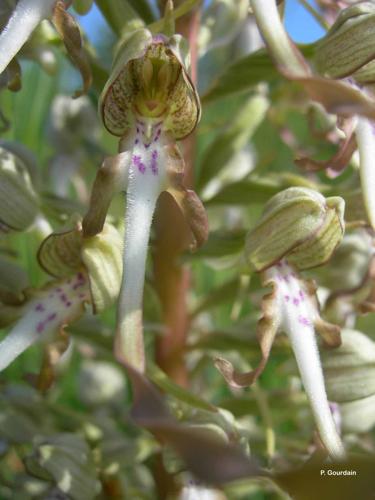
(299, 229)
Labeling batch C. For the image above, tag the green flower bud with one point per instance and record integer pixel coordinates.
(149, 79)
(102, 257)
(349, 370)
(18, 200)
(67, 252)
(298, 224)
(349, 44)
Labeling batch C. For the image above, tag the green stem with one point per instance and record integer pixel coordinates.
(272, 29)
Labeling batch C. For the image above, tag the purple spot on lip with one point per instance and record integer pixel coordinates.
(40, 327)
(286, 279)
(304, 321)
(51, 317)
(287, 298)
(295, 301)
(302, 295)
(81, 295)
(68, 304)
(136, 141)
(154, 162)
(40, 307)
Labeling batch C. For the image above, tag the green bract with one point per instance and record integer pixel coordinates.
(149, 79)
(299, 224)
(67, 252)
(349, 44)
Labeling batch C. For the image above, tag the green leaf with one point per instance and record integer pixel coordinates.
(242, 75)
(159, 378)
(222, 243)
(248, 71)
(234, 138)
(144, 10)
(245, 193)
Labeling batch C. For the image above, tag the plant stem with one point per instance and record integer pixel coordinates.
(286, 55)
(320, 19)
(172, 279)
(366, 147)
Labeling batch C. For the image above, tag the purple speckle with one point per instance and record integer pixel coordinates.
(296, 301)
(157, 135)
(58, 289)
(136, 141)
(287, 298)
(138, 163)
(63, 297)
(303, 321)
(81, 295)
(39, 307)
(279, 264)
(51, 317)
(286, 279)
(154, 162)
(301, 295)
(68, 304)
(40, 327)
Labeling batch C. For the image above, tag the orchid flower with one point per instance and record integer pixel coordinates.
(25, 18)
(150, 102)
(87, 272)
(299, 229)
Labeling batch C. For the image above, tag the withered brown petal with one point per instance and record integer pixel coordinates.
(68, 29)
(13, 75)
(266, 331)
(109, 180)
(194, 213)
(334, 165)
